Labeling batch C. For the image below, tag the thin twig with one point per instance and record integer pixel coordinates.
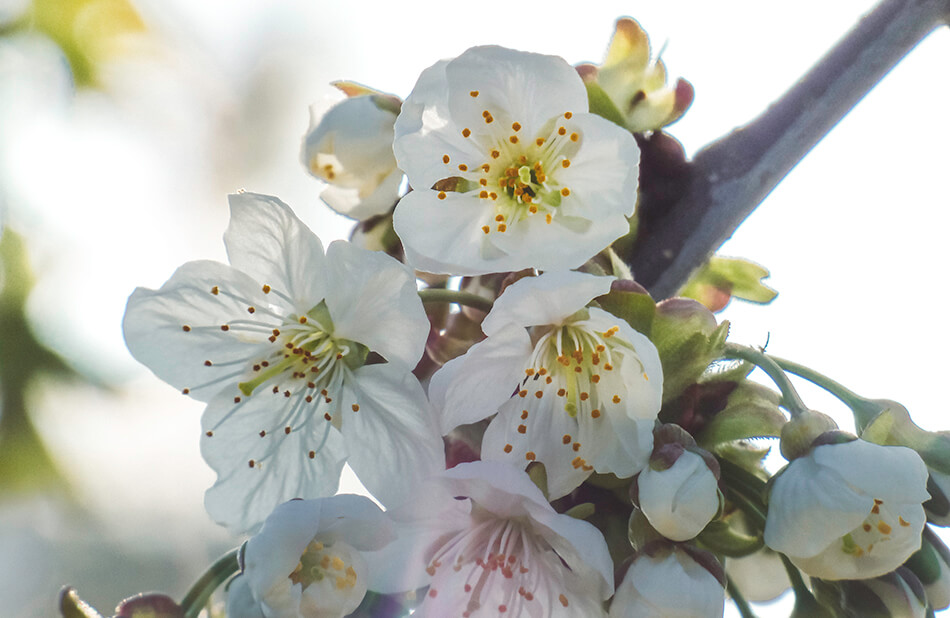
(732, 176)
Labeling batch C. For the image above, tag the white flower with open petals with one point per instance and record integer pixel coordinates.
(278, 344)
(586, 386)
(508, 168)
(308, 559)
(487, 543)
(848, 511)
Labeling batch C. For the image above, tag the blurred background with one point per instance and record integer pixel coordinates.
(124, 124)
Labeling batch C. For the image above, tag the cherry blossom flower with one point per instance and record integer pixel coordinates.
(278, 344)
(508, 168)
(636, 83)
(850, 510)
(308, 559)
(587, 387)
(680, 499)
(350, 148)
(669, 582)
(486, 542)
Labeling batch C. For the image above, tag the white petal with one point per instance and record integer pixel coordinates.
(566, 243)
(473, 386)
(529, 88)
(358, 134)
(680, 500)
(356, 520)
(670, 586)
(603, 175)
(615, 444)
(429, 514)
(245, 494)
(445, 235)
(895, 472)
(372, 299)
(240, 602)
(174, 330)
(351, 203)
(266, 240)
(544, 428)
(272, 554)
(810, 507)
(503, 489)
(640, 383)
(424, 132)
(546, 299)
(393, 440)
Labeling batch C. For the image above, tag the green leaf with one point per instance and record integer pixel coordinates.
(602, 105)
(752, 411)
(720, 279)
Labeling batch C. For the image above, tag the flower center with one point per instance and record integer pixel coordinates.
(517, 177)
(877, 528)
(504, 563)
(305, 350)
(333, 564)
(574, 368)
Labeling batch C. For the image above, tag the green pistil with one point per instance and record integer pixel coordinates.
(248, 387)
(524, 174)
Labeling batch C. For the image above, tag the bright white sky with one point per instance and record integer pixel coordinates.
(117, 191)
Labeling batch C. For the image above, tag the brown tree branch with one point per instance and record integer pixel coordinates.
(729, 178)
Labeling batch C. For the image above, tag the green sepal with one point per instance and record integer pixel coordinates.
(601, 104)
(636, 308)
(581, 511)
(688, 339)
(71, 606)
(721, 538)
(894, 427)
(752, 411)
(720, 279)
(925, 563)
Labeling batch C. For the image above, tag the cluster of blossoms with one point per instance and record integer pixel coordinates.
(545, 439)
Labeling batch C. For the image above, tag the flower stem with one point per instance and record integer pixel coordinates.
(864, 409)
(741, 604)
(790, 399)
(218, 573)
(441, 295)
(805, 603)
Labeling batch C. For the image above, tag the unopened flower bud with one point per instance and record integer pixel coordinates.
(931, 565)
(665, 580)
(800, 433)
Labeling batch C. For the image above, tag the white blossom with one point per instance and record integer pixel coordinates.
(587, 387)
(486, 542)
(680, 500)
(670, 583)
(526, 176)
(277, 343)
(308, 558)
(848, 511)
(350, 148)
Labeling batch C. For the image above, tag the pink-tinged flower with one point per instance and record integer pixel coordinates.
(508, 168)
(277, 343)
(487, 543)
(669, 582)
(848, 511)
(308, 559)
(573, 387)
(350, 147)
